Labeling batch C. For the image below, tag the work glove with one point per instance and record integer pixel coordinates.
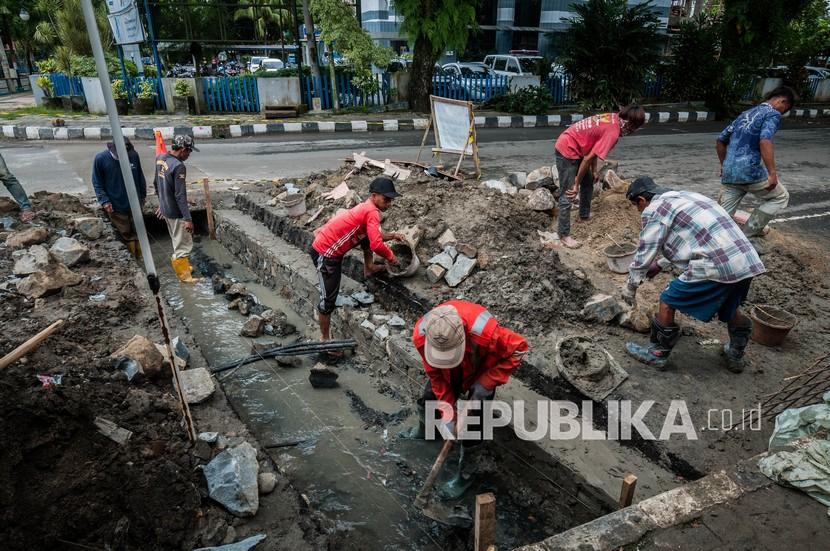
(628, 294)
(653, 269)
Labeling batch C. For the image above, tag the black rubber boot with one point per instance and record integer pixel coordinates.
(734, 350)
(657, 353)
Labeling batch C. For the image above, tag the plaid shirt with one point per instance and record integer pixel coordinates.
(693, 232)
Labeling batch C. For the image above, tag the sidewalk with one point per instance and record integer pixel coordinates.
(88, 127)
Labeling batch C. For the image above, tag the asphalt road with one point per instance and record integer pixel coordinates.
(680, 155)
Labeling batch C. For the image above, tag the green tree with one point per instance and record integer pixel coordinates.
(339, 27)
(63, 27)
(806, 37)
(433, 26)
(694, 62)
(264, 15)
(608, 50)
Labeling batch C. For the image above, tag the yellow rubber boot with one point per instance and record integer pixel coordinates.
(183, 269)
(135, 249)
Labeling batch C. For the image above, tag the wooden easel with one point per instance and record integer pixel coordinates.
(471, 136)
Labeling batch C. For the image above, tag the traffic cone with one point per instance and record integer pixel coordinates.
(160, 146)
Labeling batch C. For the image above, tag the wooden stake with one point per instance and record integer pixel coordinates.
(29, 345)
(424, 140)
(209, 209)
(485, 522)
(627, 493)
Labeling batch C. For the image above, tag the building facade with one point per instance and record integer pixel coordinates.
(504, 25)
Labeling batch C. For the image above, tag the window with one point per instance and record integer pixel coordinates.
(500, 64)
(513, 66)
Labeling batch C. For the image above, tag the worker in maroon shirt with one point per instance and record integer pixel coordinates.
(359, 225)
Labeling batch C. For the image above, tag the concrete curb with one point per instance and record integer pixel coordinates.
(675, 507)
(14, 132)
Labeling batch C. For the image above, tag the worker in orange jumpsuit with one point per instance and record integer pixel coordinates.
(465, 352)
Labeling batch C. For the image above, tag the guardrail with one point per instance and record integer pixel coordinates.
(348, 94)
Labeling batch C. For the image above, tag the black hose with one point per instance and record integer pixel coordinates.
(300, 349)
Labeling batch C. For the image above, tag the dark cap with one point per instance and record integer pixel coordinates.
(384, 186)
(642, 185)
(184, 141)
(127, 143)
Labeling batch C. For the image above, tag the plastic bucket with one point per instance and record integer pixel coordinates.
(294, 204)
(770, 325)
(408, 259)
(619, 257)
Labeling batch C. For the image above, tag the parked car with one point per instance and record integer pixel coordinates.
(471, 78)
(271, 65)
(468, 69)
(513, 65)
(253, 64)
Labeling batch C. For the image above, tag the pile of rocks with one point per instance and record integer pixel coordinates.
(454, 263)
(41, 271)
(261, 319)
(514, 183)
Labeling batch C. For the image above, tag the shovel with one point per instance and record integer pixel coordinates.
(452, 516)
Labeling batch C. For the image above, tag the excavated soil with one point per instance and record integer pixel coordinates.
(515, 277)
(64, 484)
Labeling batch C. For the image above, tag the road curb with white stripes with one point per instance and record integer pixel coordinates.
(221, 131)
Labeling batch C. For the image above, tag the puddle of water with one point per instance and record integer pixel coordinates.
(350, 467)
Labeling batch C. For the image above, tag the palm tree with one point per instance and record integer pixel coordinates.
(264, 14)
(64, 26)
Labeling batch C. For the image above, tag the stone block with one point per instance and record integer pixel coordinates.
(253, 327)
(34, 259)
(435, 273)
(602, 308)
(443, 259)
(27, 237)
(69, 251)
(232, 480)
(467, 250)
(91, 227)
(462, 268)
(144, 352)
(197, 385)
(446, 239)
(49, 281)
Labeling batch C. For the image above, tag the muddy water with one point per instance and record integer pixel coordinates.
(338, 446)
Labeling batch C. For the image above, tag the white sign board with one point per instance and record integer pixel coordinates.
(116, 6)
(126, 25)
(452, 125)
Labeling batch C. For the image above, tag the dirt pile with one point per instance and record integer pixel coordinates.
(64, 484)
(516, 277)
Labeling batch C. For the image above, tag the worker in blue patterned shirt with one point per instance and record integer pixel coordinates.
(747, 158)
(694, 233)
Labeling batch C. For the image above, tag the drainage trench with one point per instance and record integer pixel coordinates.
(340, 447)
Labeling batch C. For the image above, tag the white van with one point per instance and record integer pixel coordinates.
(253, 65)
(513, 65)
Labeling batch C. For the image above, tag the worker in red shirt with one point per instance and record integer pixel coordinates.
(359, 225)
(464, 351)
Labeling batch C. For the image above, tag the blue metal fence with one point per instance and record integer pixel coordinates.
(63, 85)
(348, 94)
(477, 89)
(231, 94)
(133, 86)
(653, 87)
(560, 88)
(812, 88)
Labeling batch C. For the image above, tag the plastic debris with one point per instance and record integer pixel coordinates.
(130, 367)
(98, 297)
(244, 545)
(50, 380)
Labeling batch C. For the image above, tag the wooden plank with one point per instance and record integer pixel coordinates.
(627, 492)
(209, 209)
(485, 522)
(29, 345)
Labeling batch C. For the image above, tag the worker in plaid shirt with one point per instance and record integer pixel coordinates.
(694, 233)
